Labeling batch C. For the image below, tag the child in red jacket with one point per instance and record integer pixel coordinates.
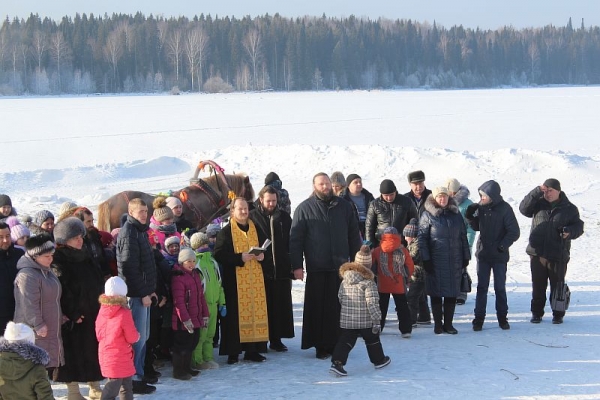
(116, 333)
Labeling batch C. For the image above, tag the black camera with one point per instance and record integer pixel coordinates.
(154, 300)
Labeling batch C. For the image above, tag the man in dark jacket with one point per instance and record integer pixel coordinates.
(390, 209)
(275, 224)
(555, 223)
(9, 255)
(325, 233)
(136, 266)
(416, 293)
(498, 230)
(359, 197)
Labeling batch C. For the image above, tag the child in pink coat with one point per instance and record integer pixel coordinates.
(116, 333)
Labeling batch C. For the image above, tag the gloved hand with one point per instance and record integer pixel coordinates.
(189, 325)
(376, 329)
(428, 266)
(500, 249)
(205, 322)
(471, 209)
(223, 310)
(465, 263)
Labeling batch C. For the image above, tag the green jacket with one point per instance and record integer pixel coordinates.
(208, 268)
(22, 371)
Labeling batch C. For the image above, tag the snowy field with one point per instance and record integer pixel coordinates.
(86, 149)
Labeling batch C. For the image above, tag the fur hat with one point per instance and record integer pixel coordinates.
(18, 333)
(416, 177)
(439, 190)
(271, 176)
(171, 240)
(411, 229)
(173, 202)
(186, 254)
(161, 211)
(212, 230)
(40, 216)
(338, 178)
(66, 206)
(18, 231)
(38, 245)
(67, 229)
(363, 257)
(552, 183)
(453, 185)
(351, 177)
(387, 187)
(198, 239)
(5, 200)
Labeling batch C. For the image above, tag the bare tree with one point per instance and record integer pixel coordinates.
(534, 60)
(194, 48)
(39, 45)
(59, 49)
(175, 50)
(252, 45)
(113, 51)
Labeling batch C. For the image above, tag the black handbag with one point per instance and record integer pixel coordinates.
(465, 282)
(561, 297)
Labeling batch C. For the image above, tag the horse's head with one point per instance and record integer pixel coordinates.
(241, 186)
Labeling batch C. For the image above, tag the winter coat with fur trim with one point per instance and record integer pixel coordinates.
(443, 240)
(116, 333)
(23, 371)
(37, 298)
(8, 273)
(358, 297)
(188, 298)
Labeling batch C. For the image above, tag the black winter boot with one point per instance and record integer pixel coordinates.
(436, 310)
(179, 369)
(449, 307)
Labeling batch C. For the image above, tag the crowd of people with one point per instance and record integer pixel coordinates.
(82, 305)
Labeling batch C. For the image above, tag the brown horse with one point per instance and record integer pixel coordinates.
(202, 201)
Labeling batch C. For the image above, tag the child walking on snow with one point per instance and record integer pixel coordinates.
(360, 316)
(116, 333)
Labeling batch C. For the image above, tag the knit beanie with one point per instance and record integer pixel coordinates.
(453, 185)
(186, 254)
(5, 200)
(351, 177)
(198, 239)
(390, 230)
(171, 240)
(38, 245)
(161, 211)
(18, 231)
(416, 177)
(363, 257)
(173, 202)
(338, 178)
(439, 190)
(40, 216)
(66, 206)
(115, 286)
(18, 333)
(271, 176)
(411, 229)
(387, 187)
(67, 229)
(105, 238)
(212, 230)
(552, 183)
(12, 221)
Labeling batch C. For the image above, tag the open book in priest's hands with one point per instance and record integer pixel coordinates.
(259, 250)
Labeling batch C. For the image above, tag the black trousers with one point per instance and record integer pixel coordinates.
(347, 340)
(404, 320)
(542, 271)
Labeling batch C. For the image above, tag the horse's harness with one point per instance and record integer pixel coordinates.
(217, 201)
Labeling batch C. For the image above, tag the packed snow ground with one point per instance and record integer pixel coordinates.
(87, 149)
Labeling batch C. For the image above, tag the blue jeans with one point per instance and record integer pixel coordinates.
(484, 269)
(141, 319)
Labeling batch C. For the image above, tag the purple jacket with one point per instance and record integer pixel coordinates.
(188, 298)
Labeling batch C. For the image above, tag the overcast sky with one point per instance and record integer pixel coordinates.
(486, 14)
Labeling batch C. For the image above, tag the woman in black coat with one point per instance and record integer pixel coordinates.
(445, 252)
(82, 284)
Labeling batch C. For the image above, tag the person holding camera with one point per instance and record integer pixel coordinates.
(555, 222)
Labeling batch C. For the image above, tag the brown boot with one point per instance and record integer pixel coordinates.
(73, 392)
(95, 390)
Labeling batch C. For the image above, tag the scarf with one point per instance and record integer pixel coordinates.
(392, 245)
(252, 300)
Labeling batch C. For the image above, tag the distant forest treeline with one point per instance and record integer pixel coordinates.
(124, 53)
